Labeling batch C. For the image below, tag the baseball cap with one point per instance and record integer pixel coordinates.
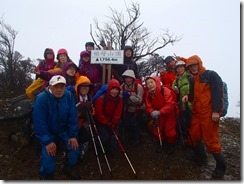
(57, 79)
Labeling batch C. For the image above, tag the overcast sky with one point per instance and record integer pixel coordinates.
(210, 29)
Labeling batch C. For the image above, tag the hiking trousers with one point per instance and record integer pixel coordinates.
(48, 162)
(203, 128)
(167, 127)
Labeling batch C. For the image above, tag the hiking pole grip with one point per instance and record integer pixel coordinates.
(123, 150)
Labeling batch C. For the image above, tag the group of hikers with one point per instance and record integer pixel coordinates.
(72, 107)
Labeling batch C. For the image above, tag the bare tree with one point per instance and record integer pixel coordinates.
(121, 31)
(14, 71)
(149, 66)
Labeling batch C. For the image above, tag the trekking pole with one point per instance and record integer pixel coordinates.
(94, 144)
(95, 148)
(123, 123)
(123, 150)
(99, 139)
(155, 120)
(189, 119)
(179, 125)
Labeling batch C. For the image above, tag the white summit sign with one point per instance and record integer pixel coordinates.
(107, 56)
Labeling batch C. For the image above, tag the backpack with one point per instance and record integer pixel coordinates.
(225, 100)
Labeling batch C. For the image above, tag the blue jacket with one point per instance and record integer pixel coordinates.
(54, 117)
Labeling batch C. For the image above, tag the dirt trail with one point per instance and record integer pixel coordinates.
(19, 162)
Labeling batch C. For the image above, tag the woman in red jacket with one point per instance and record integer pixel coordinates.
(108, 111)
(160, 104)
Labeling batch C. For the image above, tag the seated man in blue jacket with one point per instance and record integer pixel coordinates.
(55, 118)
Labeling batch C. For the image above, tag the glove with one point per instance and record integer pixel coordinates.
(134, 99)
(70, 88)
(84, 106)
(126, 95)
(155, 114)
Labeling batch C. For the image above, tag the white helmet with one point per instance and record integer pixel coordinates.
(180, 63)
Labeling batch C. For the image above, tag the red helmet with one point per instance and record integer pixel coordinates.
(62, 51)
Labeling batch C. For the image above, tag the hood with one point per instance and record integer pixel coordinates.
(67, 65)
(82, 54)
(48, 51)
(111, 84)
(158, 83)
(129, 47)
(129, 73)
(83, 80)
(85, 53)
(196, 60)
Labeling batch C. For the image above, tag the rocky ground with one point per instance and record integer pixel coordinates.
(20, 161)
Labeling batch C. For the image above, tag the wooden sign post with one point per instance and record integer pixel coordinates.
(108, 66)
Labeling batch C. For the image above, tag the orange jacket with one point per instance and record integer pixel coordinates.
(206, 92)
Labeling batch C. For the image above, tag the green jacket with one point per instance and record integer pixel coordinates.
(182, 83)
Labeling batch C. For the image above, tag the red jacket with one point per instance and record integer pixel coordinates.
(168, 78)
(164, 103)
(108, 110)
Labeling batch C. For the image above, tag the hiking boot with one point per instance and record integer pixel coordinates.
(200, 154)
(72, 173)
(219, 171)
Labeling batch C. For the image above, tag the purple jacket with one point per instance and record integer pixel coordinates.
(93, 72)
